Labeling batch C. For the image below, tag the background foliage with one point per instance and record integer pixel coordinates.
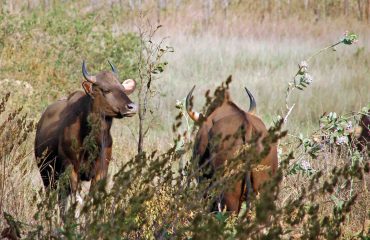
(322, 187)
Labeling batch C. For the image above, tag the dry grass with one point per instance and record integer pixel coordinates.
(261, 55)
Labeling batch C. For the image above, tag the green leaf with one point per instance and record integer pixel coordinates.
(221, 217)
(349, 38)
(338, 202)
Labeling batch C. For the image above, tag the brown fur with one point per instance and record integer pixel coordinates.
(364, 138)
(226, 120)
(68, 123)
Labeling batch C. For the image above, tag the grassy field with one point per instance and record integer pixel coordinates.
(42, 51)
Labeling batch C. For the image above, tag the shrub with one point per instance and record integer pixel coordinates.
(46, 49)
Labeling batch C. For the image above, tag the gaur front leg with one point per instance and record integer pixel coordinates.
(101, 166)
(71, 187)
(73, 178)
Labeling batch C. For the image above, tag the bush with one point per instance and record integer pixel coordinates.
(317, 193)
(46, 49)
(152, 199)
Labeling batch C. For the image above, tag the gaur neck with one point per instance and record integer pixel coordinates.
(95, 111)
(94, 116)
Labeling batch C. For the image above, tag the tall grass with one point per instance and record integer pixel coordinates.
(265, 66)
(44, 50)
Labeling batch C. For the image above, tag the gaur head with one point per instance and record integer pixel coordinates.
(109, 96)
(196, 116)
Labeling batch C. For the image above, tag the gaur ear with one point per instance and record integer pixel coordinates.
(202, 140)
(87, 87)
(129, 86)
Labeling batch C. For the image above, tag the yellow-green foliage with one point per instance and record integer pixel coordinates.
(320, 190)
(150, 199)
(46, 49)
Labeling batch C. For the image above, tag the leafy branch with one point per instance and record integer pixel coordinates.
(302, 78)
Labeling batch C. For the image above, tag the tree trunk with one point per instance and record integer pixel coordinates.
(121, 4)
(131, 4)
(141, 133)
(10, 6)
(279, 11)
(345, 7)
(325, 10)
(359, 5)
(317, 11)
(269, 7)
(161, 5)
(367, 10)
(178, 3)
(177, 9)
(289, 6)
(207, 11)
(306, 4)
(225, 6)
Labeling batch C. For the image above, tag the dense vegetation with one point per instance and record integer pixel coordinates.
(321, 189)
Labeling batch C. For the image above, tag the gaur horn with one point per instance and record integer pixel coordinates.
(113, 67)
(192, 114)
(86, 75)
(252, 106)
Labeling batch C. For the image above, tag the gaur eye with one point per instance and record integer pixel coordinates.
(106, 91)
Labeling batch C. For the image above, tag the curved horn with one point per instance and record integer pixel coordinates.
(86, 75)
(113, 67)
(192, 114)
(252, 107)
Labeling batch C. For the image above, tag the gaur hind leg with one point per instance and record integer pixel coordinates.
(233, 197)
(230, 199)
(49, 168)
(48, 173)
(260, 175)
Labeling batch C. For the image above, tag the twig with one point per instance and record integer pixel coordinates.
(288, 113)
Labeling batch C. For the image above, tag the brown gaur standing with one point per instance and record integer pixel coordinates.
(224, 121)
(66, 127)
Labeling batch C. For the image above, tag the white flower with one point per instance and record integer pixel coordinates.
(307, 78)
(342, 140)
(306, 165)
(303, 67)
(179, 104)
(349, 126)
